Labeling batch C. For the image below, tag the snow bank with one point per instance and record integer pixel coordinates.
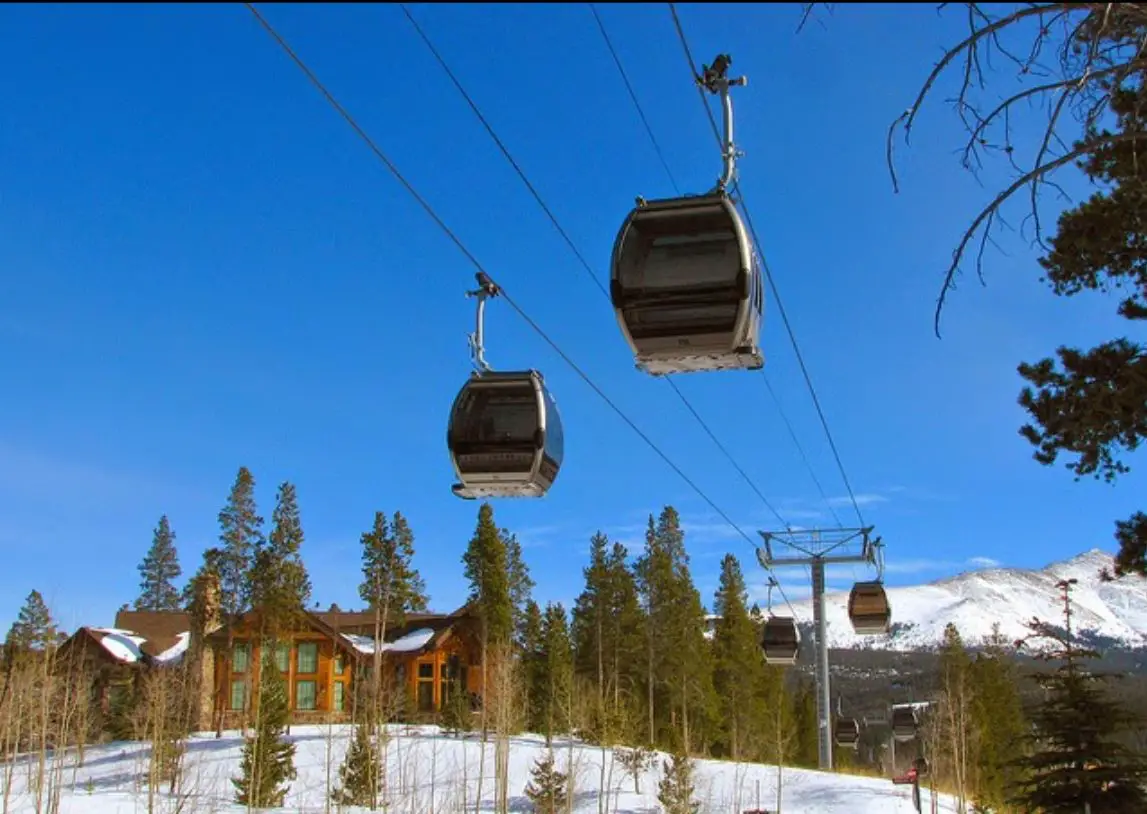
(430, 771)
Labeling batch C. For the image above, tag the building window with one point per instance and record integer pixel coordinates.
(425, 696)
(305, 694)
(340, 690)
(238, 694)
(425, 687)
(239, 657)
(283, 657)
(340, 665)
(453, 674)
(308, 661)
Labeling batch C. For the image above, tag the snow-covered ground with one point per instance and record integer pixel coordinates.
(426, 765)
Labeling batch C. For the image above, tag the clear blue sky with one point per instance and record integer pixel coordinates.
(202, 267)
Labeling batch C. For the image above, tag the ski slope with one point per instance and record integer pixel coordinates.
(425, 765)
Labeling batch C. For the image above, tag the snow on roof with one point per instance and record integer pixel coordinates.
(176, 651)
(123, 645)
(414, 640)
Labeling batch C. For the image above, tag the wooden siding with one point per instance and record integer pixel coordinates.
(357, 664)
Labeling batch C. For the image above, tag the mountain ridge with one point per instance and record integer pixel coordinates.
(1105, 615)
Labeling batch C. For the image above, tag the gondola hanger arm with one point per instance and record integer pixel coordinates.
(486, 288)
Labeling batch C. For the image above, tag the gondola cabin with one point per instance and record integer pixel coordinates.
(846, 732)
(868, 609)
(904, 723)
(505, 436)
(686, 286)
(781, 640)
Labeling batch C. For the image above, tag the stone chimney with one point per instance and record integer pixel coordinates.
(206, 618)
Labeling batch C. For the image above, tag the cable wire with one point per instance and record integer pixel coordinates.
(478, 265)
(565, 235)
(768, 273)
(677, 189)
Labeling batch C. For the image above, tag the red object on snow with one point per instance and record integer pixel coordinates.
(906, 778)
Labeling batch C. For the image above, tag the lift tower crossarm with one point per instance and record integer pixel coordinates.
(817, 545)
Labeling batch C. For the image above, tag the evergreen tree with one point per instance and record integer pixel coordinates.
(34, 629)
(998, 721)
(1092, 404)
(590, 614)
(268, 761)
(457, 714)
(953, 716)
(675, 791)
(805, 748)
(533, 662)
(548, 788)
(556, 673)
(280, 587)
(158, 571)
(624, 631)
(737, 661)
(241, 534)
(520, 583)
(388, 575)
(210, 569)
(679, 686)
(361, 771)
(1075, 759)
(487, 570)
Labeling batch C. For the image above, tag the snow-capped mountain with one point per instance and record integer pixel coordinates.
(1104, 614)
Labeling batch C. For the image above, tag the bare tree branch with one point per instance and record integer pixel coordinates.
(988, 212)
(1092, 49)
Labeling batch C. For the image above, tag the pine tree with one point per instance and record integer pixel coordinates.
(389, 577)
(361, 771)
(520, 583)
(953, 716)
(737, 661)
(457, 714)
(805, 749)
(556, 672)
(1075, 759)
(210, 569)
(998, 721)
(590, 614)
(240, 533)
(158, 571)
(533, 663)
(34, 629)
(624, 631)
(268, 761)
(548, 788)
(678, 672)
(280, 587)
(1092, 404)
(487, 570)
(675, 791)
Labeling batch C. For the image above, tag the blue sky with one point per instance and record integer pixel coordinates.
(202, 267)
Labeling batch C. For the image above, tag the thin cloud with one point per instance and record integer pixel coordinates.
(863, 499)
(984, 562)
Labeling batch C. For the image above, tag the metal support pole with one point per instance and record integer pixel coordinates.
(825, 541)
(823, 691)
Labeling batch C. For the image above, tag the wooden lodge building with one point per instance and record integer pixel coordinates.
(322, 660)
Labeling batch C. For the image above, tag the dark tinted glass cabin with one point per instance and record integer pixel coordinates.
(680, 273)
(555, 437)
(495, 428)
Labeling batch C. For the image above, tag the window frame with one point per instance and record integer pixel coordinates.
(309, 647)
